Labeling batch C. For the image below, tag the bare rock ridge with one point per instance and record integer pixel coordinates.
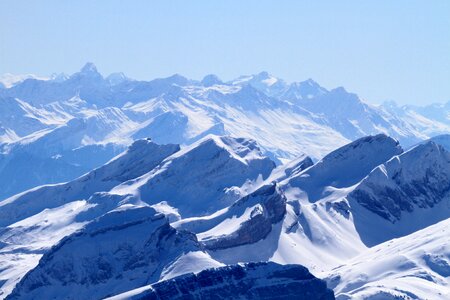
(265, 280)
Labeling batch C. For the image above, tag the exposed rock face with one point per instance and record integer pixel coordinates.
(122, 250)
(419, 178)
(265, 280)
(266, 206)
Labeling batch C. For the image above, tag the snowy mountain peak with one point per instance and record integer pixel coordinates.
(130, 242)
(307, 89)
(9, 80)
(345, 166)
(117, 78)
(89, 67)
(59, 77)
(87, 72)
(178, 80)
(210, 80)
(204, 177)
(416, 179)
(263, 82)
(243, 149)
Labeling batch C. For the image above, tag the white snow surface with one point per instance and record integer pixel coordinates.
(371, 218)
(416, 266)
(94, 118)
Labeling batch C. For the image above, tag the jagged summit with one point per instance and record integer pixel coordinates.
(87, 72)
(210, 80)
(307, 89)
(117, 78)
(89, 68)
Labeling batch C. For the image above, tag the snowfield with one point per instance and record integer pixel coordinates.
(113, 187)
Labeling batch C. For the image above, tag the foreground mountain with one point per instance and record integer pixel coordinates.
(72, 124)
(224, 203)
(124, 249)
(247, 281)
(38, 219)
(416, 266)
(160, 210)
(208, 175)
(303, 219)
(407, 193)
(317, 216)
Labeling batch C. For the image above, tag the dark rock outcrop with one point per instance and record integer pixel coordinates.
(264, 280)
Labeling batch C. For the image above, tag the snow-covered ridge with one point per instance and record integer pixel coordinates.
(121, 250)
(286, 119)
(224, 199)
(301, 213)
(344, 167)
(416, 266)
(418, 178)
(140, 158)
(202, 178)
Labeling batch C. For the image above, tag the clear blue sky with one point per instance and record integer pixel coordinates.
(382, 50)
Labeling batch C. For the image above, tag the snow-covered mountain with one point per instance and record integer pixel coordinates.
(215, 169)
(416, 266)
(95, 117)
(324, 222)
(124, 249)
(156, 179)
(224, 203)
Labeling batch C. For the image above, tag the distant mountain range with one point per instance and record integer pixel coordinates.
(70, 124)
(128, 189)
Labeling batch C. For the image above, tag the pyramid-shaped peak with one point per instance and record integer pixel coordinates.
(89, 67)
(264, 74)
(210, 80)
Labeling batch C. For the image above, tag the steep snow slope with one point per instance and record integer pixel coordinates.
(247, 281)
(247, 221)
(63, 153)
(142, 156)
(124, 249)
(23, 243)
(313, 230)
(20, 117)
(349, 115)
(287, 120)
(206, 176)
(416, 266)
(342, 168)
(37, 219)
(407, 193)
(324, 222)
